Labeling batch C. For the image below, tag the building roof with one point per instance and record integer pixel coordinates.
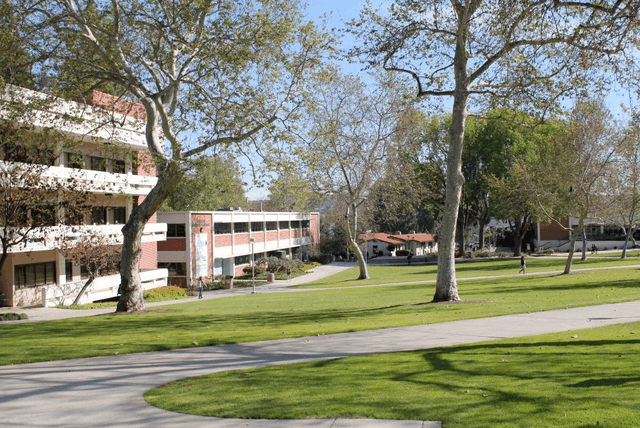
(417, 237)
(382, 237)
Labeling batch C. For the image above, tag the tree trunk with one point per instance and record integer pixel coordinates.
(446, 284)
(572, 246)
(626, 240)
(83, 290)
(362, 263)
(131, 300)
(584, 245)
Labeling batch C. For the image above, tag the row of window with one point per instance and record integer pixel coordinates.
(95, 163)
(35, 274)
(45, 215)
(178, 230)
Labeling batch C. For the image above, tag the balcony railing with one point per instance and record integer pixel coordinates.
(50, 238)
(95, 181)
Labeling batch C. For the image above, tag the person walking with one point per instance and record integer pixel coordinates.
(200, 287)
(523, 265)
(288, 273)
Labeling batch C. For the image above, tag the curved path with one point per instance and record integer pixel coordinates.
(107, 391)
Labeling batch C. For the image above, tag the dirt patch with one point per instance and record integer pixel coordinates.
(453, 302)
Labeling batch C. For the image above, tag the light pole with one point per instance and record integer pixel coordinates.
(253, 265)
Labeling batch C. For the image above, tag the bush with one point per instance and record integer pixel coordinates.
(401, 253)
(12, 316)
(259, 270)
(169, 292)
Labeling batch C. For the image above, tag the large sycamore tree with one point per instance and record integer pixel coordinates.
(207, 73)
(482, 54)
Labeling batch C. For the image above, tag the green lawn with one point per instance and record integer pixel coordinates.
(381, 274)
(554, 380)
(273, 316)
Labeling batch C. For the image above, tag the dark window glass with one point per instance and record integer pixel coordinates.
(84, 272)
(257, 226)
(240, 227)
(68, 271)
(176, 230)
(175, 269)
(118, 166)
(241, 260)
(99, 215)
(272, 225)
(73, 160)
(222, 228)
(98, 163)
(119, 215)
(295, 224)
(35, 274)
(284, 225)
(44, 215)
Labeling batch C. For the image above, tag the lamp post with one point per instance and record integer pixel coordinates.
(252, 240)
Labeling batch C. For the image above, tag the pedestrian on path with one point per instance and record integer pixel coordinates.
(523, 265)
(200, 287)
(288, 273)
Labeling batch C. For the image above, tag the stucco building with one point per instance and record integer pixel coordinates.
(111, 162)
(221, 243)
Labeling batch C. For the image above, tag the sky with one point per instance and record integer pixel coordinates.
(341, 11)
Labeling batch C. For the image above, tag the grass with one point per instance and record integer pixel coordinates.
(543, 381)
(280, 315)
(381, 274)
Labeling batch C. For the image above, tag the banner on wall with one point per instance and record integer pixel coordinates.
(202, 265)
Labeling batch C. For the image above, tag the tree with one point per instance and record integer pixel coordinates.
(576, 169)
(623, 186)
(97, 253)
(212, 183)
(207, 74)
(351, 128)
(486, 54)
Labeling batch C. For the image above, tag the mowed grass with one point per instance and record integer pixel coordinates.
(389, 274)
(249, 318)
(553, 380)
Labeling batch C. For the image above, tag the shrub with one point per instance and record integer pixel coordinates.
(12, 316)
(259, 270)
(169, 292)
(401, 253)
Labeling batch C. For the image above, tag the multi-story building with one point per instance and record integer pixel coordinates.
(112, 163)
(222, 243)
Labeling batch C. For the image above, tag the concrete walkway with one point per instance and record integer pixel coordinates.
(107, 391)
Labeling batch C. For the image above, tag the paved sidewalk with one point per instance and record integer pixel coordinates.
(107, 391)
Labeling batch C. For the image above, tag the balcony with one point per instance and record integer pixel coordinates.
(81, 121)
(50, 238)
(95, 181)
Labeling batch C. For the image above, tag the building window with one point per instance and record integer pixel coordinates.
(241, 260)
(35, 274)
(241, 227)
(68, 271)
(295, 224)
(73, 160)
(84, 272)
(257, 226)
(306, 224)
(44, 215)
(98, 163)
(99, 215)
(222, 228)
(119, 215)
(272, 225)
(284, 225)
(118, 166)
(175, 269)
(176, 230)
